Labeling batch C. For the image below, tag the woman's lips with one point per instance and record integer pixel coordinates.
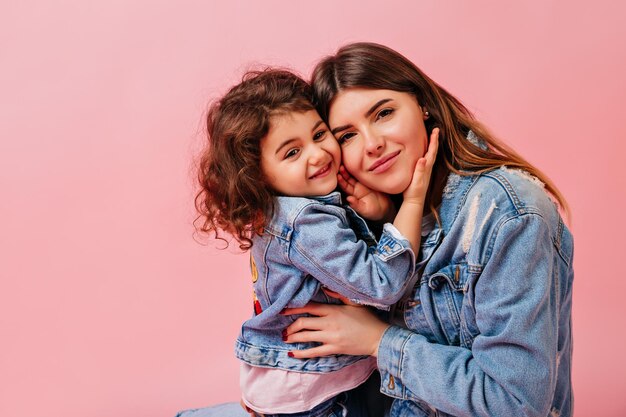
(384, 163)
(321, 172)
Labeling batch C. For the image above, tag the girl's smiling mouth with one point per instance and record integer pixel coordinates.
(322, 172)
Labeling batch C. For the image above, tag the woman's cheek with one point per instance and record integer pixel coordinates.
(350, 159)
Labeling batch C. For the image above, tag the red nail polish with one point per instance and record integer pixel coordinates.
(290, 354)
(284, 334)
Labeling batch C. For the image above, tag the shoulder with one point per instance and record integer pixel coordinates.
(519, 192)
(292, 211)
(495, 197)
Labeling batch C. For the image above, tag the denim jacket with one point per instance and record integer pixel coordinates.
(310, 242)
(489, 320)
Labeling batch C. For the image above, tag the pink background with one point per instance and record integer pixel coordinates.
(109, 307)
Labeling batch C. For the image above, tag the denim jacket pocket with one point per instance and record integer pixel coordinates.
(450, 286)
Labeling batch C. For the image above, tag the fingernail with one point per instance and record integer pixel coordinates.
(284, 335)
(290, 354)
(282, 311)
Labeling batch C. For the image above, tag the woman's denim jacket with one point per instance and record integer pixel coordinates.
(490, 317)
(311, 242)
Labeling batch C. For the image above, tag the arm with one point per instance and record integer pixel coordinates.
(324, 246)
(409, 218)
(510, 369)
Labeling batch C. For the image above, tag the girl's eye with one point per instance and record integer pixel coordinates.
(384, 113)
(291, 153)
(319, 135)
(345, 137)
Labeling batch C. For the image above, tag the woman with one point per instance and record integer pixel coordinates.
(488, 326)
(486, 329)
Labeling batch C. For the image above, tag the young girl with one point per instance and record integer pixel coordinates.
(268, 178)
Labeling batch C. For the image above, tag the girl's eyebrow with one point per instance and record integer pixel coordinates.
(288, 141)
(319, 122)
(367, 114)
(285, 143)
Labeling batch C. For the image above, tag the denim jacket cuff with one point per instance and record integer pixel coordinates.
(392, 243)
(390, 352)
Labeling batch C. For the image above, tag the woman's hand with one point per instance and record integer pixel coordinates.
(342, 329)
(372, 205)
(416, 191)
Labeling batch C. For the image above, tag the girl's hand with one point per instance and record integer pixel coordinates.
(340, 328)
(416, 191)
(372, 205)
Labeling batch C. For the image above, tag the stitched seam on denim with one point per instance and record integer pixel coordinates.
(400, 359)
(462, 199)
(452, 312)
(464, 332)
(504, 182)
(502, 222)
(467, 335)
(557, 284)
(266, 272)
(559, 247)
(426, 318)
(494, 236)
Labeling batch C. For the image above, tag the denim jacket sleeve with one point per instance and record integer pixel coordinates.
(324, 246)
(510, 368)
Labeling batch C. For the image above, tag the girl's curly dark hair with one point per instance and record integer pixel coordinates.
(234, 196)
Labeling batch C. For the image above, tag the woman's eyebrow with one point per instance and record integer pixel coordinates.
(339, 129)
(367, 114)
(376, 105)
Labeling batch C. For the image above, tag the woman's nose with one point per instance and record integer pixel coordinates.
(374, 144)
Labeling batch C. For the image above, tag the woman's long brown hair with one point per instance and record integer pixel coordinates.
(374, 66)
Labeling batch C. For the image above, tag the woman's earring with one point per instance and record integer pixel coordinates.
(426, 114)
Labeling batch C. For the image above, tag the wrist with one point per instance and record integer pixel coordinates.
(414, 201)
(382, 331)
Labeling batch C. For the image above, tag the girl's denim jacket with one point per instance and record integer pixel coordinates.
(490, 316)
(310, 242)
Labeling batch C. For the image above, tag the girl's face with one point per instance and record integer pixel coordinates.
(299, 156)
(382, 135)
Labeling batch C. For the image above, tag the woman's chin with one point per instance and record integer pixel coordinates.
(390, 187)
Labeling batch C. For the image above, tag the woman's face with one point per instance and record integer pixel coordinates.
(382, 135)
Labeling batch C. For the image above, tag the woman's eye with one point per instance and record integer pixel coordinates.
(319, 135)
(291, 153)
(384, 113)
(345, 137)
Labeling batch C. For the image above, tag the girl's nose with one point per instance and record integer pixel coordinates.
(317, 155)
